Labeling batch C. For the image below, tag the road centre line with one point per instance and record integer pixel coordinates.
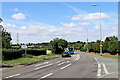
(43, 66)
(105, 69)
(13, 76)
(42, 63)
(47, 75)
(65, 66)
(61, 63)
(99, 68)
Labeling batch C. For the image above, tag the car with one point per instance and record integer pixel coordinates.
(65, 54)
(71, 52)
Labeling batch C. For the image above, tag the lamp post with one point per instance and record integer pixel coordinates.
(100, 28)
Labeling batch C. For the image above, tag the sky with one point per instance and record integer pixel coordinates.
(43, 21)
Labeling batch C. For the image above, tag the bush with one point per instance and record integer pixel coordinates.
(9, 54)
(36, 52)
(113, 47)
(27, 56)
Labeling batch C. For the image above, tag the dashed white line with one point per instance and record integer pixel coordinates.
(43, 66)
(105, 69)
(99, 68)
(67, 61)
(13, 76)
(61, 63)
(47, 75)
(65, 66)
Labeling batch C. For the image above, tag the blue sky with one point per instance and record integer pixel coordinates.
(44, 21)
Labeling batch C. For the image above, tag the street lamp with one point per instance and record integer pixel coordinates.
(100, 29)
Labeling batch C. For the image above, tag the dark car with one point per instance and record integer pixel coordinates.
(65, 54)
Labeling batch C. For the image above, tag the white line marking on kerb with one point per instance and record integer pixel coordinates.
(13, 76)
(61, 63)
(47, 75)
(65, 66)
(99, 68)
(43, 66)
(105, 69)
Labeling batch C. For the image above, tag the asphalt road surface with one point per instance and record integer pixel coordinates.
(79, 65)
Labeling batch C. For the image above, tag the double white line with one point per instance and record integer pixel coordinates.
(99, 68)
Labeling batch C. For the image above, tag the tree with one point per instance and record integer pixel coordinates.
(98, 41)
(58, 45)
(6, 39)
(111, 38)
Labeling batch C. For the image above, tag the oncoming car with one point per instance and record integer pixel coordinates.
(65, 54)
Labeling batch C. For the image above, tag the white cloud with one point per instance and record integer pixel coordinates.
(85, 24)
(91, 16)
(7, 25)
(19, 16)
(97, 27)
(16, 9)
(69, 25)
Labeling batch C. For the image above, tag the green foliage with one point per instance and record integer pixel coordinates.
(9, 54)
(113, 47)
(6, 38)
(111, 38)
(58, 45)
(27, 56)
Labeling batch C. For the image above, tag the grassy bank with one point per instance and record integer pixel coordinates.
(109, 56)
(27, 60)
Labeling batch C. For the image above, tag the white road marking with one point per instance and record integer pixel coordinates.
(99, 68)
(61, 63)
(67, 61)
(105, 69)
(78, 57)
(43, 66)
(13, 76)
(47, 75)
(65, 66)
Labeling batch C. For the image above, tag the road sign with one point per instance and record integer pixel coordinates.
(24, 46)
(100, 45)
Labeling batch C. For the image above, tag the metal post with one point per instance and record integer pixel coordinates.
(100, 32)
(87, 40)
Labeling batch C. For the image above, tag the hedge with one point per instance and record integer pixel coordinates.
(111, 47)
(9, 54)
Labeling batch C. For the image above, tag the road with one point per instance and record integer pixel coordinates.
(79, 65)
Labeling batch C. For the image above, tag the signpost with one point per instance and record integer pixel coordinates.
(24, 47)
(100, 45)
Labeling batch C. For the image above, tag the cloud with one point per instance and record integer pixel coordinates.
(91, 16)
(77, 11)
(19, 16)
(85, 24)
(69, 25)
(16, 9)
(7, 25)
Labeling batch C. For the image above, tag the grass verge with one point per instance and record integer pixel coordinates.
(27, 60)
(109, 56)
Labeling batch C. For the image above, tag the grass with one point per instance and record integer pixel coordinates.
(109, 56)
(26, 61)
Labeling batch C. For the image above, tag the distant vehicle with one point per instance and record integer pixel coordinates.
(65, 54)
(71, 51)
